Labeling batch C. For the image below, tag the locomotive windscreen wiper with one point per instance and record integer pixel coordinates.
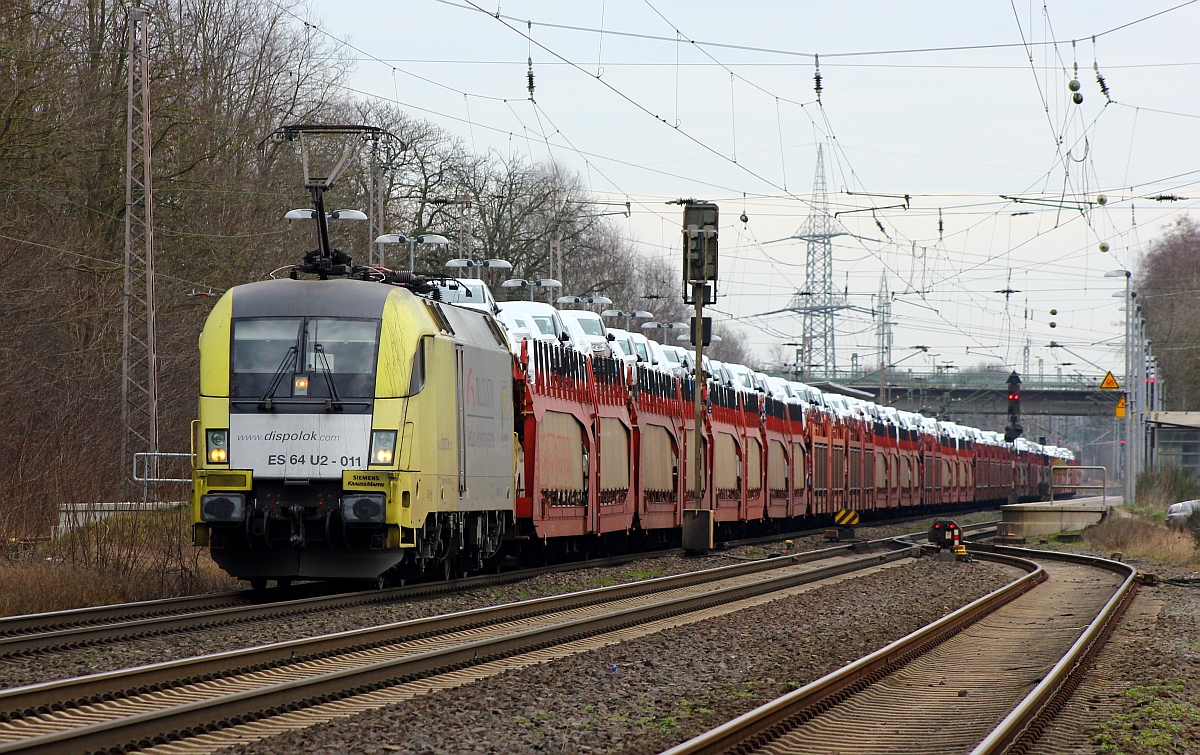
(334, 402)
(266, 403)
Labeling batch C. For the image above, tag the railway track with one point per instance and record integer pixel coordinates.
(984, 679)
(40, 633)
(199, 700)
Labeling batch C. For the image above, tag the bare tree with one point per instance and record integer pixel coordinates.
(1168, 283)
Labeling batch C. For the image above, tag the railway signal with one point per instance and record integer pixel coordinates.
(1014, 429)
(700, 250)
(700, 222)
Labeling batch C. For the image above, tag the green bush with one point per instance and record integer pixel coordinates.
(1193, 525)
(1158, 488)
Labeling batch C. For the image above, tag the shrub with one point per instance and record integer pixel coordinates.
(1157, 489)
(127, 557)
(1193, 525)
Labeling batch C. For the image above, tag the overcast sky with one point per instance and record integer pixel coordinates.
(715, 100)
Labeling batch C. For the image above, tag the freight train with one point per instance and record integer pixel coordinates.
(354, 427)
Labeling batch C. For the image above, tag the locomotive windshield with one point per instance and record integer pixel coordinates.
(338, 361)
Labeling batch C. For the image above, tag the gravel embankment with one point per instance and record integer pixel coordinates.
(668, 686)
(127, 653)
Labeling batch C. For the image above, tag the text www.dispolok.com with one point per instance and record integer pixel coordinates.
(277, 437)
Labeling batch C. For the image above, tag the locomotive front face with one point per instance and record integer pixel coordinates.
(300, 421)
(348, 425)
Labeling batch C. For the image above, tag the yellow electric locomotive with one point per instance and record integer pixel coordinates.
(348, 427)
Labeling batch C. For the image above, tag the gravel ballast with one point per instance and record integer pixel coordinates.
(111, 656)
(647, 694)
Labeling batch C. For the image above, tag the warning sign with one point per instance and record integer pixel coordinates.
(846, 518)
(1121, 408)
(1109, 383)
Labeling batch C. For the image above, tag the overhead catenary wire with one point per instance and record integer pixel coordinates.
(549, 136)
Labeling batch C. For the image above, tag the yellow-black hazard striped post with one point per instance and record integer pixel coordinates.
(846, 518)
(845, 521)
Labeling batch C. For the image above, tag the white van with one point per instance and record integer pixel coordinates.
(622, 346)
(466, 292)
(532, 319)
(650, 351)
(677, 360)
(588, 334)
(742, 377)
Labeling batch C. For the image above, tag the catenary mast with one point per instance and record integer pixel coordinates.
(139, 361)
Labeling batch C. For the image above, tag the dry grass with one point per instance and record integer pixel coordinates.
(1142, 539)
(130, 557)
(35, 586)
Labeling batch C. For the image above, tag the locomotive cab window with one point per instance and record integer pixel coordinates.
(303, 359)
(342, 352)
(261, 349)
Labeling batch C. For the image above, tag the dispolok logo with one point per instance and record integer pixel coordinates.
(301, 446)
(294, 437)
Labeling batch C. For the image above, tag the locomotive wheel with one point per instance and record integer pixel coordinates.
(258, 584)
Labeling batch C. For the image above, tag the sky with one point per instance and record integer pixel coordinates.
(956, 161)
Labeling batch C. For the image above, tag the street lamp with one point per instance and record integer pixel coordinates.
(1127, 461)
(335, 215)
(530, 284)
(626, 315)
(412, 241)
(663, 327)
(589, 300)
(488, 264)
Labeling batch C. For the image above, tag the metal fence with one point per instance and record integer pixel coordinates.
(1063, 469)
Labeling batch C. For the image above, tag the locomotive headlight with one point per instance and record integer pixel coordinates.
(363, 508)
(218, 446)
(383, 446)
(223, 507)
(300, 385)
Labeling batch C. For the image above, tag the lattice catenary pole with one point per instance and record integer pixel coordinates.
(139, 363)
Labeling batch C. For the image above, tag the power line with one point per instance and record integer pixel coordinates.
(470, 6)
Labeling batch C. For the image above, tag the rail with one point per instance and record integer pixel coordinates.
(114, 709)
(1021, 728)
(1018, 730)
(35, 633)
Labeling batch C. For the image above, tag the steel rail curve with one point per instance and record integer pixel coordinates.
(1021, 728)
(288, 676)
(766, 726)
